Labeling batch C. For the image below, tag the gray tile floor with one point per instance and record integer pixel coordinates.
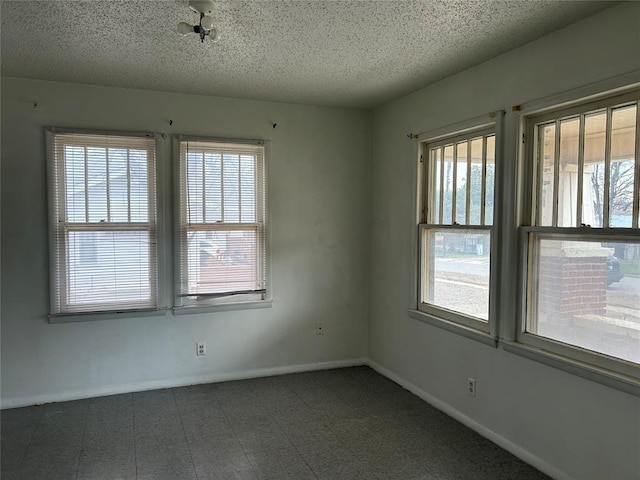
(347, 423)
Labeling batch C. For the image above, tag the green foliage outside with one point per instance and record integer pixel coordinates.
(630, 267)
(475, 203)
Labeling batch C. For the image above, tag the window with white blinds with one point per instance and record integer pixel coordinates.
(103, 222)
(221, 223)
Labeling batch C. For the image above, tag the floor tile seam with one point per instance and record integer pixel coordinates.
(84, 429)
(135, 447)
(233, 425)
(340, 437)
(327, 426)
(33, 433)
(24, 454)
(186, 440)
(246, 453)
(308, 406)
(235, 433)
(222, 406)
(301, 456)
(255, 471)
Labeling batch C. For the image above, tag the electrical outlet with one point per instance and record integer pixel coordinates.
(201, 348)
(471, 386)
(319, 328)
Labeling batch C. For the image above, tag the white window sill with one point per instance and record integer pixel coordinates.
(182, 310)
(221, 307)
(93, 316)
(611, 379)
(453, 327)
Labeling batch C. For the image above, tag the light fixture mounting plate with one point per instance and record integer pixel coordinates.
(201, 6)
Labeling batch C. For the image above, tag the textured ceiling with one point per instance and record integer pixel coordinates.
(335, 53)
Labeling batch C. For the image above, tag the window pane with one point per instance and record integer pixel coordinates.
(475, 200)
(448, 185)
(118, 185)
(222, 261)
(435, 158)
(490, 179)
(213, 187)
(587, 294)
(546, 162)
(594, 153)
(568, 173)
(247, 189)
(461, 182)
(456, 271)
(194, 187)
(108, 267)
(138, 186)
(231, 188)
(622, 169)
(97, 184)
(74, 184)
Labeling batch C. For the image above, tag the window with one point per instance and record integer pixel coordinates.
(456, 227)
(103, 223)
(581, 241)
(104, 245)
(222, 245)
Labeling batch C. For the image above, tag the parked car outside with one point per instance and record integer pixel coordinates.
(614, 274)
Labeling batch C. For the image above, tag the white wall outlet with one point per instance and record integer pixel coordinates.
(319, 328)
(471, 386)
(201, 348)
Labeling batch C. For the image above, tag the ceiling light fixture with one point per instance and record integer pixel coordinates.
(205, 27)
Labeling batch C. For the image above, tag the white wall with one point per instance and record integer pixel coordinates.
(318, 189)
(568, 425)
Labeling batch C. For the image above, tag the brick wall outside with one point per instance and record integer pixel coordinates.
(572, 286)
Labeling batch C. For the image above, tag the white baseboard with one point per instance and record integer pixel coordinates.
(499, 440)
(176, 382)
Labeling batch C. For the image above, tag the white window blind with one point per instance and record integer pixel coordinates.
(222, 222)
(103, 222)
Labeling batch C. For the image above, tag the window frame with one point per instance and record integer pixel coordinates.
(184, 303)
(57, 250)
(609, 370)
(470, 327)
